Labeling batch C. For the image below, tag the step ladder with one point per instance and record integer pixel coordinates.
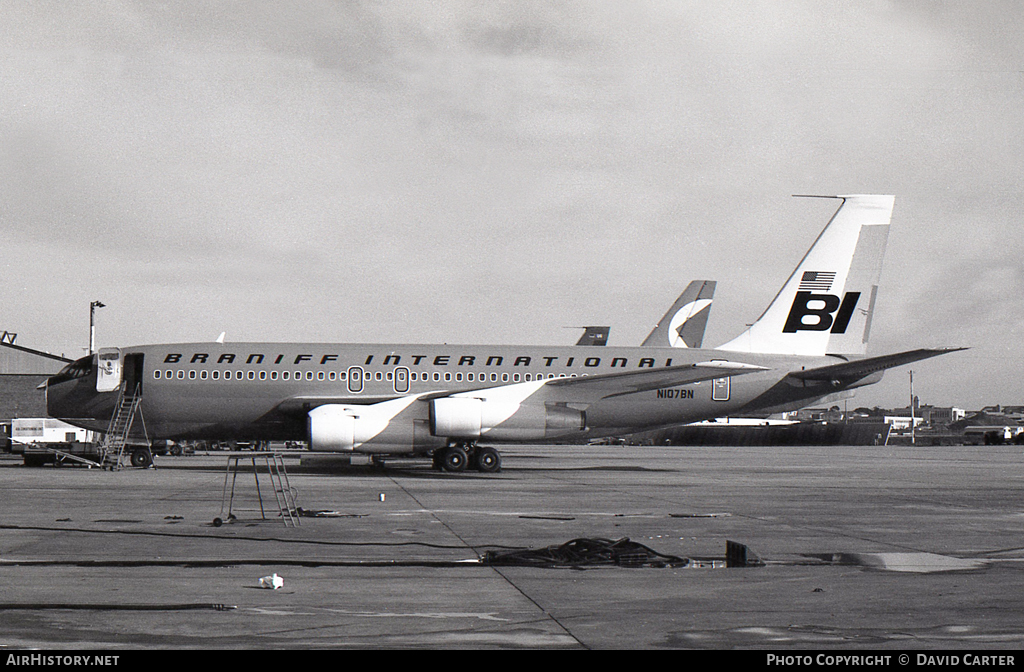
(113, 447)
(284, 495)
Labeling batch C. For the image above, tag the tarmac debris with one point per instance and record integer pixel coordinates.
(327, 514)
(580, 553)
(272, 582)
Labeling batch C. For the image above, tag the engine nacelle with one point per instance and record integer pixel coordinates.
(332, 428)
(388, 427)
(474, 418)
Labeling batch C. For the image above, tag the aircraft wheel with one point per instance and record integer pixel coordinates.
(141, 458)
(454, 458)
(487, 460)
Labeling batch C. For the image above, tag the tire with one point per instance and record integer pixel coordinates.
(487, 460)
(141, 458)
(454, 459)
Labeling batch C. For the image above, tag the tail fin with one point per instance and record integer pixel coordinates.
(684, 323)
(594, 336)
(825, 307)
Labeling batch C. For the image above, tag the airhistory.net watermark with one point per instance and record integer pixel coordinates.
(54, 660)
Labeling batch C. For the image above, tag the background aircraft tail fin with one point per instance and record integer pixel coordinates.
(826, 305)
(684, 323)
(594, 336)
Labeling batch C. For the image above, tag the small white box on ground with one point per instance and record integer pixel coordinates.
(272, 582)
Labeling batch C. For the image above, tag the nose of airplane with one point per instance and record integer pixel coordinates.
(57, 395)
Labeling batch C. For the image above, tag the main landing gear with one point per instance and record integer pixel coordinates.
(461, 456)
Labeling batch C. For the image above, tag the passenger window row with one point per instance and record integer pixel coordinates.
(436, 376)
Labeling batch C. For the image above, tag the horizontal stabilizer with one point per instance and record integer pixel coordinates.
(865, 367)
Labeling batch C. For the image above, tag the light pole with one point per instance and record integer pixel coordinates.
(913, 419)
(92, 323)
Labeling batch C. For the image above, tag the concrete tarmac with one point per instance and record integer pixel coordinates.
(872, 548)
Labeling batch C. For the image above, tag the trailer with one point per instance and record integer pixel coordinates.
(47, 440)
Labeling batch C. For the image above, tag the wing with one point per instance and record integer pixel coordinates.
(628, 382)
(580, 389)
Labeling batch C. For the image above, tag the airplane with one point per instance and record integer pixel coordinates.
(455, 402)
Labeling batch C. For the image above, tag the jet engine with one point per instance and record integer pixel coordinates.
(334, 428)
(473, 418)
(374, 428)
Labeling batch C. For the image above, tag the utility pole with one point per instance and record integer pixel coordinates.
(912, 413)
(92, 324)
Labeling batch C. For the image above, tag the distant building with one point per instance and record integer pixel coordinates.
(900, 423)
(934, 416)
(21, 371)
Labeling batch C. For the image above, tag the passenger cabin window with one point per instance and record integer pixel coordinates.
(401, 379)
(355, 379)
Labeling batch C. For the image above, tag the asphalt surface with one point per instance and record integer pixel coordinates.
(873, 548)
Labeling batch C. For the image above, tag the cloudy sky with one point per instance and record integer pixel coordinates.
(495, 172)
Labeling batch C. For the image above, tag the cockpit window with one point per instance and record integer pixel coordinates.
(80, 368)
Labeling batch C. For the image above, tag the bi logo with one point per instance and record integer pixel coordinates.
(821, 312)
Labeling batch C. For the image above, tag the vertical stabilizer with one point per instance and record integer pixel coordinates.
(684, 324)
(825, 307)
(594, 336)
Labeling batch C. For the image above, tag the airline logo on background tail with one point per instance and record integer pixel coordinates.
(825, 311)
(684, 324)
(677, 329)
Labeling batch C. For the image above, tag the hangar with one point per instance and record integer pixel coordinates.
(21, 371)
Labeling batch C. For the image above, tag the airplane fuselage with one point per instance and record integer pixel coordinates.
(264, 391)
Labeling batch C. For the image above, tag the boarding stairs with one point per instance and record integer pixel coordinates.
(112, 450)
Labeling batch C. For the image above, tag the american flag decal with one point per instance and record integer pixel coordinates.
(817, 281)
